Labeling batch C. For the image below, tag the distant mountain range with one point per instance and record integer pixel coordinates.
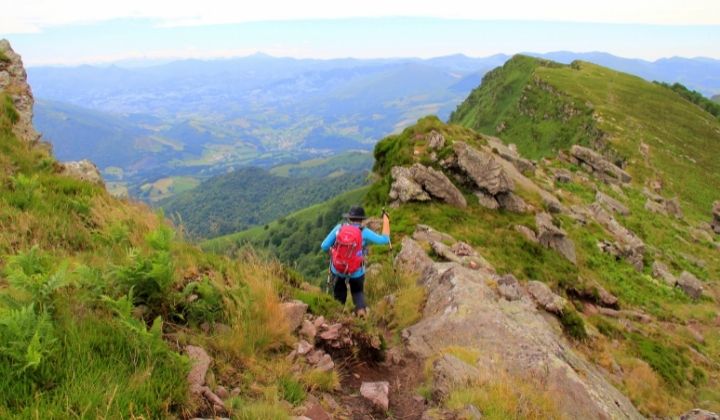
(196, 119)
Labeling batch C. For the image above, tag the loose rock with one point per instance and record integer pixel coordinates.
(661, 272)
(294, 313)
(699, 414)
(551, 236)
(600, 166)
(545, 297)
(482, 168)
(528, 233)
(690, 285)
(419, 183)
(611, 203)
(509, 287)
(377, 393)
(83, 170)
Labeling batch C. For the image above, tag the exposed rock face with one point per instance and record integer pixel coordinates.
(657, 204)
(690, 285)
(462, 310)
(449, 372)
(13, 80)
(600, 166)
(551, 236)
(510, 154)
(435, 140)
(377, 393)
(425, 233)
(83, 170)
(412, 258)
(294, 312)
(699, 414)
(528, 233)
(486, 200)
(716, 217)
(509, 287)
(611, 204)
(661, 272)
(563, 176)
(511, 202)
(483, 169)
(545, 297)
(420, 183)
(628, 245)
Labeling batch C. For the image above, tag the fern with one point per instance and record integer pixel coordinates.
(26, 338)
(24, 189)
(30, 273)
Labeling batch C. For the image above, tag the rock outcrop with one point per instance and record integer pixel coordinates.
(377, 393)
(690, 284)
(294, 312)
(699, 414)
(598, 165)
(421, 183)
(83, 170)
(661, 272)
(450, 372)
(611, 204)
(412, 258)
(483, 169)
(627, 245)
(463, 310)
(553, 237)
(715, 224)
(510, 154)
(545, 297)
(13, 80)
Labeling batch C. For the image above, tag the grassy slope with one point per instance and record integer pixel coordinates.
(673, 377)
(90, 288)
(294, 239)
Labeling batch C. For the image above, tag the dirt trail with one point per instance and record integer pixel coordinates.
(404, 379)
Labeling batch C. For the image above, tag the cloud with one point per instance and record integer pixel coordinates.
(32, 15)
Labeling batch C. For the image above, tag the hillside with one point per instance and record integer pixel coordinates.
(105, 314)
(249, 197)
(294, 239)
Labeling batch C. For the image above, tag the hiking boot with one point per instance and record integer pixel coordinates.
(361, 313)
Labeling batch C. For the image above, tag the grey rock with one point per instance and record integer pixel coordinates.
(303, 348)
(308, 330)
(629, 245)
(377, 393)
(449, 372)
(461, 249)
(551, 236)
(463, 310)
(563, 176)
(611, 204)
(83, 170)
(528, 233)
(672, 206)
(294, 312)
(435, 140)
(444, 251)
(545, 297)
(200, 363)
(600, 166)
(553, 205)
(420, 183)
(482, 169)
(655, 207)
(425, 233)
(325, 364)
(715, 224)
(486, 200)
(412, 258)
(690, 285)
(509, 287)
(700, 414)
(510, 154)
(13, 81)
(511, 202)
(661, 272)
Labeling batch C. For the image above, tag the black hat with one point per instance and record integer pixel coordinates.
(355, 213)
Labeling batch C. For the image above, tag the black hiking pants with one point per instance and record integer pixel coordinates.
(357, 287)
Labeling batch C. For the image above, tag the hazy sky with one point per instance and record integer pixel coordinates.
(89, 31)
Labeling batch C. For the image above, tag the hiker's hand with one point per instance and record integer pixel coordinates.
(386, 224)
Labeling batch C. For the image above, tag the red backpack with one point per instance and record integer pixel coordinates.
(346, 254)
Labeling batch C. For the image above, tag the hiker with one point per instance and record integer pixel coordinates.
(346, 243)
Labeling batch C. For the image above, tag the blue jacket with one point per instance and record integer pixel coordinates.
(368, 237)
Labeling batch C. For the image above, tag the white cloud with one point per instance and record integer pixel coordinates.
(32, 15)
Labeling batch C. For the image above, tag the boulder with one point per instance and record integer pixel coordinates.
(563, 176)
(294, 313)
(308, 330)
(511, 202)
(482, 169)
(526, 232)
(715, 224)
(412, 258)
(443, 251)
(449, 372)
(661, 271)
(655, 207)
(510, 154)
(690, 284)
(377, 393)
(486, 200)
(462, 309)
(435, 140)
(425, 233)
(200, 363)
(13, 80)
(553, 205)
(83, 170)
(461, 249)
(699, 414)
(628, 245)
(545, 297)
(611, 203)
(600, 166)
(672, 207)
(509, 287)
(551, 236)
(420, 183)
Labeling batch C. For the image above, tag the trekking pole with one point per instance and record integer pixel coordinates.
(392, 259)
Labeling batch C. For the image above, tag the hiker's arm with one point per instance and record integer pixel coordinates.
(374, 238)
(330, 239)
